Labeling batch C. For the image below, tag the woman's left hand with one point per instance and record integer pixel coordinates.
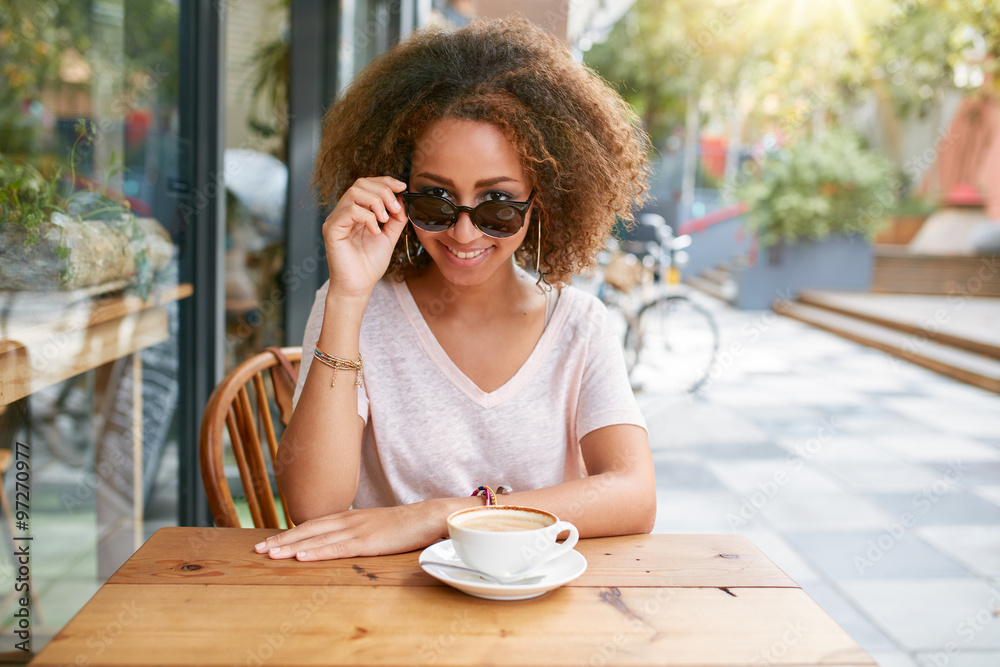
(361, 532)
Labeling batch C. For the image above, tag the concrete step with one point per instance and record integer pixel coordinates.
(924, 350)
(717, 276)
(897, 312)
(709, 287)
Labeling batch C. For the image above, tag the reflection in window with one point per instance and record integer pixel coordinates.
(88, 287)
(256, 176)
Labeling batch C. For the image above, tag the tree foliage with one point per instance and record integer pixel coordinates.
(785, 61)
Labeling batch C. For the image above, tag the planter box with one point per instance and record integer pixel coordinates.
(782, 271)
(101, 251)
(901, 229)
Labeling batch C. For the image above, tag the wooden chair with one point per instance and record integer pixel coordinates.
(246, 419)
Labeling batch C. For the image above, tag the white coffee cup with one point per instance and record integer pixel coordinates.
(507, 541)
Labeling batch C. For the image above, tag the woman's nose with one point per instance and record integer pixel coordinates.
(463, 230)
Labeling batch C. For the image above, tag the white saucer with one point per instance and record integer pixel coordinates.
(554, 574)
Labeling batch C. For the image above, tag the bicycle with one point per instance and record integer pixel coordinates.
(669, 340)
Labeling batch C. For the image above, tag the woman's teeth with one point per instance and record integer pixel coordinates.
(467, 255)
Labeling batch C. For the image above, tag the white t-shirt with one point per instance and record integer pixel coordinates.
(430, 432)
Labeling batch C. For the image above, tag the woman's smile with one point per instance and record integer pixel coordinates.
(471, 253)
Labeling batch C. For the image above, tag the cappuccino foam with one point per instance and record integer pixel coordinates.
(505, 521)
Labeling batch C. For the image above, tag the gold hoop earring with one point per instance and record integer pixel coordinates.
(538, 254)
(406, 240)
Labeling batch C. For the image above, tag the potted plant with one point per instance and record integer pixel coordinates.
(817, 188)
(814, 208)
(54, 236)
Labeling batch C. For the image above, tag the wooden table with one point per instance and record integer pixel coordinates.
(202, 596)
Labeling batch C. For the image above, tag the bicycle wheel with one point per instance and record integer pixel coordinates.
(675, 344)
(619, 306)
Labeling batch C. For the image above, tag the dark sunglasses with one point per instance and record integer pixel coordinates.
(497, 219)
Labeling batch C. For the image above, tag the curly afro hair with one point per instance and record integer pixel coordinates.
(578, 140)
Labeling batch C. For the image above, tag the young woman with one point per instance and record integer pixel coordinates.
(433, 362)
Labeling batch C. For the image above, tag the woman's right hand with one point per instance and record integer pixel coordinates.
(357, 250)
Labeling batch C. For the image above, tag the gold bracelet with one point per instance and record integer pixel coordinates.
(339, 363)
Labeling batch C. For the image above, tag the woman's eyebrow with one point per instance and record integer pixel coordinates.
(484, 183)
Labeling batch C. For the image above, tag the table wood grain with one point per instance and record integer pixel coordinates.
(191, 554)
(195, 596)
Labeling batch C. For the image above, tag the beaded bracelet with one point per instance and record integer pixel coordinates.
(339, 363)
(491, 498)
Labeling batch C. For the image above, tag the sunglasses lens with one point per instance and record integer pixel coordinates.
(436, 214)
(498, 220)
(432, 214)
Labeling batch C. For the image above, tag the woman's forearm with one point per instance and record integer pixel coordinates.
(320, 453)
(600, 505)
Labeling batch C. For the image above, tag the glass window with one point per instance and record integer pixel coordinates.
(256, 175)
(89, 291)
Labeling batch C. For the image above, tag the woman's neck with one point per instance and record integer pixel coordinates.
(441, 298)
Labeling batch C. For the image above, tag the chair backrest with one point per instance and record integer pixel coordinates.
(241, 404)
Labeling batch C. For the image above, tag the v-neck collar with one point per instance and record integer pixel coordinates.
(454, 374)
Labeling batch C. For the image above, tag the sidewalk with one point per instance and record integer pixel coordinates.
(874, 483)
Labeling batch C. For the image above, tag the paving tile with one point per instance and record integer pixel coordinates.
(770, 477)
(769, 415)
(958, 658)
(816, 394)
(862, 476)
(697, 423)
(839, 448)
(882, 424)
(978, 547)
(892, 552)
(864, 381)
(930, 614)
(828, 511)
(782, 554)
(688, 511)
(972, 471)
(956, 419)
(991, 493)
(843, 611)
(653, 404)
(676, 475)
(891, 658)
(941, 447)
(740, 451)
(735, 395)
(939, 506)
(811, 435)
(963, 394)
